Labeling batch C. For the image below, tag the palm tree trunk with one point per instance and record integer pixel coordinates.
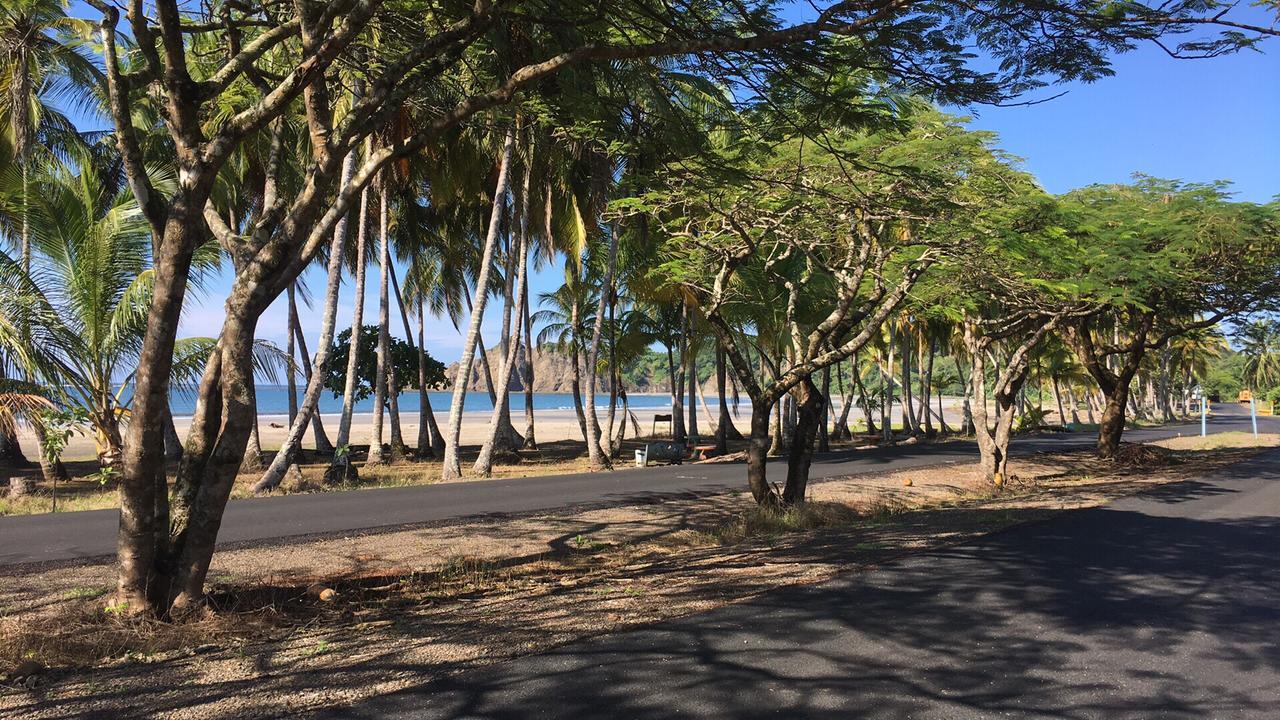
(291, 378)
(691, 375)
(252, 461)
(576, 360)
(357, 317)
(323, 446)
(428, 431)
(824, 437)
(328, 321)
(595, 456)
(452, 469)
(722, 417)
(430, 441)
(614, 378)
(926, 386)
(530, 441)
(376, 456)
(967, 418)
(484, 461)
(172, 442)
(675, 401)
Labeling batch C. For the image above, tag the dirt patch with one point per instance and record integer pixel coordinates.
(412, 605)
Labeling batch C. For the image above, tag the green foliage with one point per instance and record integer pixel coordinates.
(59, 426)
(403, 356)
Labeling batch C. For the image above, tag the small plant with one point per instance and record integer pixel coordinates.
(117, 609)
(85, 593)
(322, 647)
(582, 543)
(105, 475)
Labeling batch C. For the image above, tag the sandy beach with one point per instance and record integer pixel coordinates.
(550, 426)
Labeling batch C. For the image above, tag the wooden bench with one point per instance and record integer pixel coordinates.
(700, 452)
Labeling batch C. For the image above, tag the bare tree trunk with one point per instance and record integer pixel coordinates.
(376, 456)
(614, 378)
(172, 441)
(323, 446)
(577, 379)
(723, 422)
(530, 441)
(967, 418)
(595, 455)
(484, 462)
(452, 469)
(811, 408)
(691, 375)
(886, 415)
(926, 387)
(252, 461)
(315, 375)
(430, 441)
(909, 422)
(291, 350)
(758, 452)
(357, 318)
(676, 381)
(824, 439)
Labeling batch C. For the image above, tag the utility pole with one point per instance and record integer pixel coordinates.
(1253, 414)
(1204, 411)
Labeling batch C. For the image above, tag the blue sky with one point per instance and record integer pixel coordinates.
(1197, 120)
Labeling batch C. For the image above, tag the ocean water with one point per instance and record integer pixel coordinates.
(274, 400)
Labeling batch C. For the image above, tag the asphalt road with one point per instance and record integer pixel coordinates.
(92, 534)
(1165, 605)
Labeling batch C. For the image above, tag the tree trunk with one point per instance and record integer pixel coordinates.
(357, 319)
(324, 349)
(868, 415)
(323, 446)
(691, 376)
(1057, 398)
(679, 432)
(595, 456)
(291, 350)
(452, 470)
(967, 416)
(910, 425)
(926, 388)
(430, 442)
(677, 412)
(526, 378)
(172, 441)
(1071, 402)
(144, 516)
(811, 408)
(253, 461)
(758, 453)
(577, 380)
(723, 422)
(484, 462)
(1111, 428)
(824, 438)
(380, 389)
(614, 379)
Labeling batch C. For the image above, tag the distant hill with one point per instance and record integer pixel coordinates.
(553, 372)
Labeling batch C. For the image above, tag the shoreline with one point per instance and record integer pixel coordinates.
(551, 425)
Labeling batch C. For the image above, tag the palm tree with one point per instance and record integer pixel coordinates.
(452, 469)
(76, 319)
(564, 317)
(40, 64)
(1259, 343)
